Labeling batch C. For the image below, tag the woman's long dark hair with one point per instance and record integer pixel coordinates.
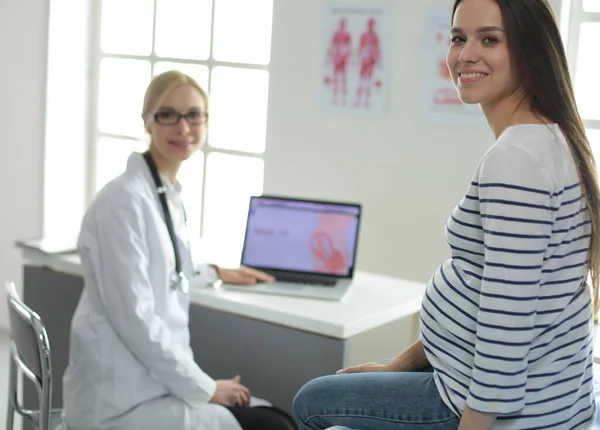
(538, 56)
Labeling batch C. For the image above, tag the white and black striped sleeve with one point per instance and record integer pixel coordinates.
(515, 202)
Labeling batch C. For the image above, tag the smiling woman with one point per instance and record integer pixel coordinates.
(130, 361)
(507, 321)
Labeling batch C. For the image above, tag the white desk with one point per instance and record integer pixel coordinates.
(373, 301)
(261, 336)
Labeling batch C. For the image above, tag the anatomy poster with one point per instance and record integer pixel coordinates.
(441, 103)
(355, 58)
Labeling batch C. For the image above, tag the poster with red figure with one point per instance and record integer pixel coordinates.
(441, 103)
(355, 72)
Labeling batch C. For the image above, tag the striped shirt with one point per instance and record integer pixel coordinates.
(507, 322)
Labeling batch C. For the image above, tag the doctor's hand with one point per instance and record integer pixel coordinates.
(230, 392)
(244, 276)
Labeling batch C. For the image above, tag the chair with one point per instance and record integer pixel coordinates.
(30, 354)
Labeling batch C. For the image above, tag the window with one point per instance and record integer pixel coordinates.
(225, 45)
(583, 24)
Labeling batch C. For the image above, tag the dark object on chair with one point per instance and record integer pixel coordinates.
(29, 354)
(263, 417)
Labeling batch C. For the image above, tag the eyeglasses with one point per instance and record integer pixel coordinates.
(172, 117)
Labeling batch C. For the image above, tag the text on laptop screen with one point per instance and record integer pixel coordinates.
(301, 236)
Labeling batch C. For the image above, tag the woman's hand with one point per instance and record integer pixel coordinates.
(368, 367)
(244, 276)
(473, 420)
(230, 392)
(412, 359)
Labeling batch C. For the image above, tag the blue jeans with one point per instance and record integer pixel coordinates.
(373, 401)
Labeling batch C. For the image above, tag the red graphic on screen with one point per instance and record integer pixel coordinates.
(338, 55)
(369, 54)
(329, 245)
(327, 258)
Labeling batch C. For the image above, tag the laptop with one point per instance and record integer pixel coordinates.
(309, 246)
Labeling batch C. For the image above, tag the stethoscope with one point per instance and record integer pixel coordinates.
(178, 280)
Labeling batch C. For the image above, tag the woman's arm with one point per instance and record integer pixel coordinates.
(412, 359)
(473, 420)
(517, 200)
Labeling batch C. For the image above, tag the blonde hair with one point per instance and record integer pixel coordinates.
(162, 85)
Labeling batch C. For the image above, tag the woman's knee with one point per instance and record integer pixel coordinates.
(315, 395)
(302, 400)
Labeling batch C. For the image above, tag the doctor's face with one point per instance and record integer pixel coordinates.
(178, 126)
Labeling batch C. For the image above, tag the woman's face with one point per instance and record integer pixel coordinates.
(478, 57)
(177, 138)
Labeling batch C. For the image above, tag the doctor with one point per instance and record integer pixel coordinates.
(130, 364)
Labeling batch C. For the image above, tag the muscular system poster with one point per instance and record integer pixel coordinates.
(355, 58)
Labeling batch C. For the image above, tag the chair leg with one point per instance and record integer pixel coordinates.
(45, 407)
(10, 416)
(12, 389)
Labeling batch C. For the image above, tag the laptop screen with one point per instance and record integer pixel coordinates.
(302, 236)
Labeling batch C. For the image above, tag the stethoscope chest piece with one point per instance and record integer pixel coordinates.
(180, 282)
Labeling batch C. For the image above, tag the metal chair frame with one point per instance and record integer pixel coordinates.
(42, 381)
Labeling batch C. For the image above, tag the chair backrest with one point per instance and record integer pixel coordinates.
(28, 336)
(30, 351)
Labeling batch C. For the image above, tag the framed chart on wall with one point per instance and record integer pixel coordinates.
(355, 58)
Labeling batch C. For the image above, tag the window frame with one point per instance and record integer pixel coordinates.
(94, 134)
(573, 16)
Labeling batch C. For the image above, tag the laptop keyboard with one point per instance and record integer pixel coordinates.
(304, 279)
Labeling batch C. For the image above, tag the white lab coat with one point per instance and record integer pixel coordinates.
(130, 363)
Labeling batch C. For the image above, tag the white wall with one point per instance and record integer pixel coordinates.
(23, 29)
(407, 174)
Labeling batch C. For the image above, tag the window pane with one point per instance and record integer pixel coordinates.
(121, 95)
(587, 84)
(127, 26)
(591, 5)
(196, 71)
(183, 29)
(190, 177)
(243, 31)
(111, 157)
(238, 110)
(230, 181)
